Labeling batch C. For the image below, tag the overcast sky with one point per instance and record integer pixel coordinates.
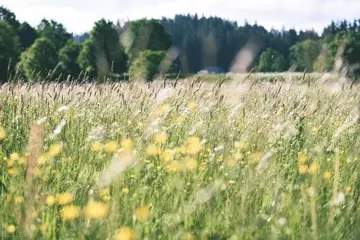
(79, 15)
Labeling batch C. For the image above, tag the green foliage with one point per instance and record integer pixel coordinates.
(201, 42)
(39, 59)
(271, 61)
(102, 53)
(55, 32)
(27, 35)
(352, 53)
(87, 59)
(9, 49)
(9, 16)
(345, 48)
(304, 54)
(146, 35)
(148, 64)
(68, 58)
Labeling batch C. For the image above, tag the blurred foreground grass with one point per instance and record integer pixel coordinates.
(184, 160)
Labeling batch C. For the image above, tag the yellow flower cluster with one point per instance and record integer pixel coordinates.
(304, 167)
(92, 210)
(112, 146)
(124, 233)
(142, 214)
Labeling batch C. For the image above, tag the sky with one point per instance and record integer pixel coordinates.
(78, 16)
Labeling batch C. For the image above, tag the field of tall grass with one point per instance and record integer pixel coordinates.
(180, 160)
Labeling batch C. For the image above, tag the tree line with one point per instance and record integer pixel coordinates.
(186, 44)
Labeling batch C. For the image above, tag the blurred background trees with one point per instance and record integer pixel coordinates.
(112, 50)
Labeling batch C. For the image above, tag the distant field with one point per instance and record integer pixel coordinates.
(187, 159)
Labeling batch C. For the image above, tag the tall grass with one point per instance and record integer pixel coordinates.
(184, 160)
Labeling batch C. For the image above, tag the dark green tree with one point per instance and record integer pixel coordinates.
(304, 54)
(271, 61)
(146, 35)
(27, 35)
(350, 43)
(148, 64)
(352, 54)
(102, 54)
(40, 58)
(9, 49)
(68, 58)
(8, 16)
(87, 58)
(55, 32)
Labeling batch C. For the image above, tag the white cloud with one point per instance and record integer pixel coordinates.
(79, 16)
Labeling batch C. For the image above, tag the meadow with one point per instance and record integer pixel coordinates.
(187, 159)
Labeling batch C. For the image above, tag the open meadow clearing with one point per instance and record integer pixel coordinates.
(180, 160)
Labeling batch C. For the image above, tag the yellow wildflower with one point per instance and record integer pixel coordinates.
(13, 171)
(124, 233)
(160, 137)
(190, 164)
(165, 107)
(34, 214)
(105, 194)
(303, 168)
(125, 190)
(64, 198)
(37, 172)
(348, 189)
(55, 150)
(43, 227)
(2, 133)
(11, 163)
(239, 156)
(327, 175)
(188, 236)
(43, 159)
(127, 144)
(167, 155)
(96, 210)
(22, 160)
(69, 212)
(96, 146)
(180, 150)
(310, 191)
(313, 167)
(14, 156)
(230, 161)
(173, 167)
(111, 147)
(152, 150)
(50, 200)
(10, 228)
(192, 106)
(142, 214)
(242, 145)
(180, 120)
(314, 131)
(254, 158)
(302, 158)
(193, 145)
(19, 199)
